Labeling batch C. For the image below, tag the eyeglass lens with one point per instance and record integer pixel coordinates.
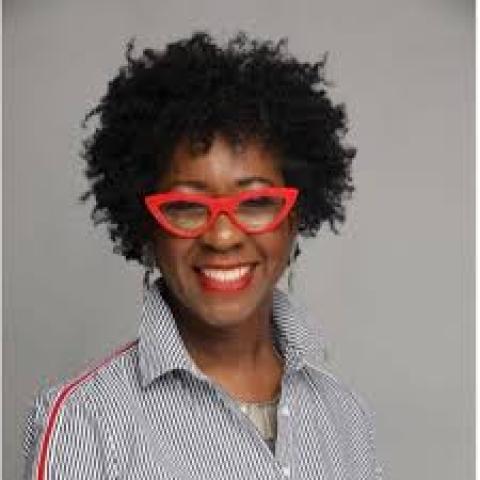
(254, 213)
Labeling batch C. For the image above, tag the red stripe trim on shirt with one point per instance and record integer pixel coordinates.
(62, 396)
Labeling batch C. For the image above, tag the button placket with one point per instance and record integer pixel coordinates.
(285, 454)
(284, 411)
(284, 429)
(286, 471)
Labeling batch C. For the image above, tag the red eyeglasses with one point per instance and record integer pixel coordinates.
(190, 215)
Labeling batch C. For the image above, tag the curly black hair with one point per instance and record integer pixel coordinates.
(194, 89)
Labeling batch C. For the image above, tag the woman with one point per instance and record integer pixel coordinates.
(207, 163)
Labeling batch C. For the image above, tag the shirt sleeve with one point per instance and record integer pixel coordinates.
(64, 438)
(370, 428)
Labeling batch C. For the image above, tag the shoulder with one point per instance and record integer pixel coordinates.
(339, 393)
(342, 401)
(111, 376)
(116, 373)
(68, 420)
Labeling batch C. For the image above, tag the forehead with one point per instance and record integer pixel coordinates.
(223, 165)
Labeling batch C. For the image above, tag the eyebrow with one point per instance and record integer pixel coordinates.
(242, 182)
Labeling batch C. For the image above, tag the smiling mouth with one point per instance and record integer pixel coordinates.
(222, 279)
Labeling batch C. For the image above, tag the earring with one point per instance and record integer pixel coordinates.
(148, 260)
(294, 253)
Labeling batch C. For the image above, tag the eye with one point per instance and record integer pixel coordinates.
(185, 214)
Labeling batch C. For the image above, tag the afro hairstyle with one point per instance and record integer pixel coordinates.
(194, 89)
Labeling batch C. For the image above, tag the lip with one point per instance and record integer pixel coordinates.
(212, 285)
(223, 266)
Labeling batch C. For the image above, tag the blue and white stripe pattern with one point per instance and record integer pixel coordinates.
(149, 413)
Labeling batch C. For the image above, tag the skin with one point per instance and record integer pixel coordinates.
(228, 335)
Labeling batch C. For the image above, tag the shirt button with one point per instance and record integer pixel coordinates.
(286, 471)
(285, 411)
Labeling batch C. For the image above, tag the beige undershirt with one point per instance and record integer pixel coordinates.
(264, 416)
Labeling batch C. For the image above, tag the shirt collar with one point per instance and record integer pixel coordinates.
(161, 348)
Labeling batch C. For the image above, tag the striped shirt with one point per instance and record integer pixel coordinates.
(148, 412)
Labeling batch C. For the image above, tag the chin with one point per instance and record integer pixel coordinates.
(228, 314)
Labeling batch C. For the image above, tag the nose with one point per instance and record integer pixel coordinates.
(223, 234)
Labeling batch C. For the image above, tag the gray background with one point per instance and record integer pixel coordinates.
(394, 292)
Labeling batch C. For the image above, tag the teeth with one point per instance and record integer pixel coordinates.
(226, 275)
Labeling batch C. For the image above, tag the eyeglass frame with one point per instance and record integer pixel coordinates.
(217, 205)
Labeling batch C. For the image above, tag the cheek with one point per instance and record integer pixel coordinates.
(276, 249)
(171, 254)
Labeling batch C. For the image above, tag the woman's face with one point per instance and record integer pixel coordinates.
(223, 170)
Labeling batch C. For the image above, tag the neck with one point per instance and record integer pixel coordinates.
(236, 347)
